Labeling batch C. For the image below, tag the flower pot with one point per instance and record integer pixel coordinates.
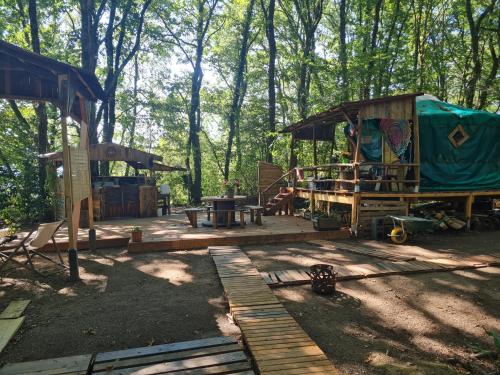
(230, 192)
(137, 236)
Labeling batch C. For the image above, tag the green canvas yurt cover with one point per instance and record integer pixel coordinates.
(459, 147)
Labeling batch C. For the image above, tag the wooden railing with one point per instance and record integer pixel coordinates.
(261, 193)
(349, 176)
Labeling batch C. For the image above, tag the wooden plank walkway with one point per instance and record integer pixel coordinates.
(356, 248)
(218, 355)
(367, 270)
(11, 320)
(278, 345)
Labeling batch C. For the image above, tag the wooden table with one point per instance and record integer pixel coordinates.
(221, 206)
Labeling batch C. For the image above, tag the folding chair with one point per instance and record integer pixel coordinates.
(44, 234)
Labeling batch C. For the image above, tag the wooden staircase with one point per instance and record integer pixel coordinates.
(283, 201)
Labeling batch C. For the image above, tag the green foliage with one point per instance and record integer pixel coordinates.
(419, 46)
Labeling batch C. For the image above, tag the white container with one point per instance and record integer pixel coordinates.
(164, 189)
(159, 212)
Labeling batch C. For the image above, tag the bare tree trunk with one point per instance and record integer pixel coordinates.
(373, 45)
(475, 28)
(39, 108)
(271, 85)
(134, 109)
(89, 42)
(343, 52)
(488, 82)
(239, 77)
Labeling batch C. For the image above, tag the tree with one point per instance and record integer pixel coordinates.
(117, 58)
(238, 83)
(475, 35)
(271, 71)
(193, 51)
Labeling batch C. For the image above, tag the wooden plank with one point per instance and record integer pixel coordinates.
(165, 348)
(15, 309)
(239, 368)
(164, 357)
(183, 365)
(8, 328)
(76, 365)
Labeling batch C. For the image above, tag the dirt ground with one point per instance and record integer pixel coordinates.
(418, 324)
(415, 324)
(121, 302)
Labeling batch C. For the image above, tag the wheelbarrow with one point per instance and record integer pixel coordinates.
(405, 226)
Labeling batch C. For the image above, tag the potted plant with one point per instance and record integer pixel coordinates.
(231, 186)
(322, 221)
(136, 234)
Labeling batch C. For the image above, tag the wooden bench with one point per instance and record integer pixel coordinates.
(255, 214)
(192, 215)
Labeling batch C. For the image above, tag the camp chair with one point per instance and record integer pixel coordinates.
(44, 234)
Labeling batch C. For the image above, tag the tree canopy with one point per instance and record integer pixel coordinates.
(207, 84)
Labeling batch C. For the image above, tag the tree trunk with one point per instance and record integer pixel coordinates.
(373, 45)
(134, 109)
(89, 41)
(271, 88)
(343, 53)
(40, 108)
(237, 86)
(488, 82)
(474, 29)
(194, 121)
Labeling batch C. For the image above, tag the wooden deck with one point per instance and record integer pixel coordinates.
(218, 355)
(173, 232)
(170, 233)
(276, 341)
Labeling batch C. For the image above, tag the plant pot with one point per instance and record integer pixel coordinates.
(230, 192)
(137, 236)
(326, 223)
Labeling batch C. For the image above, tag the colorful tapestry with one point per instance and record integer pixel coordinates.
(397, 134)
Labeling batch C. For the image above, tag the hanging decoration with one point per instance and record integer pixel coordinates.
(397, 133)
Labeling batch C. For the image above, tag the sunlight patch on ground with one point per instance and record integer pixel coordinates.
(68, 292)
(99, 282)
(174, 272)
(292, 295)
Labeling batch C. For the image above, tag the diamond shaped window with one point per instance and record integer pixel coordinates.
(458, 136)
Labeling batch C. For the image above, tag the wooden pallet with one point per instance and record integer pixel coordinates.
(218, 355)
(11, 320)
(357, 248)
(276, 341)
(361, 271)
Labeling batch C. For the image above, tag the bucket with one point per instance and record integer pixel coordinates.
(164, 189)
(159, 212)
(323, 278)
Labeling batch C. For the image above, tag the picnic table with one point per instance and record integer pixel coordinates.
(223, 208)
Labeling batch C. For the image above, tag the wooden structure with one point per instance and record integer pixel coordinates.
(276, 341)
(28, 76)
(114, 196)
(368, 188)
(217, 355)
(268, 173)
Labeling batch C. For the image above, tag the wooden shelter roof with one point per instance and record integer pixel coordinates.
(25, 75)
(321, 123)
(114, 152)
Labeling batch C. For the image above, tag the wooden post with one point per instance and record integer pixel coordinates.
(242, 218)
(315, 152)
(356, 199)
(84, 144)
(312, 203)
(468, 209)
(357, 154)
(416, 136)
(74, 274)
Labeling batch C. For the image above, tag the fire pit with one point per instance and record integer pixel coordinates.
(323, 278)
